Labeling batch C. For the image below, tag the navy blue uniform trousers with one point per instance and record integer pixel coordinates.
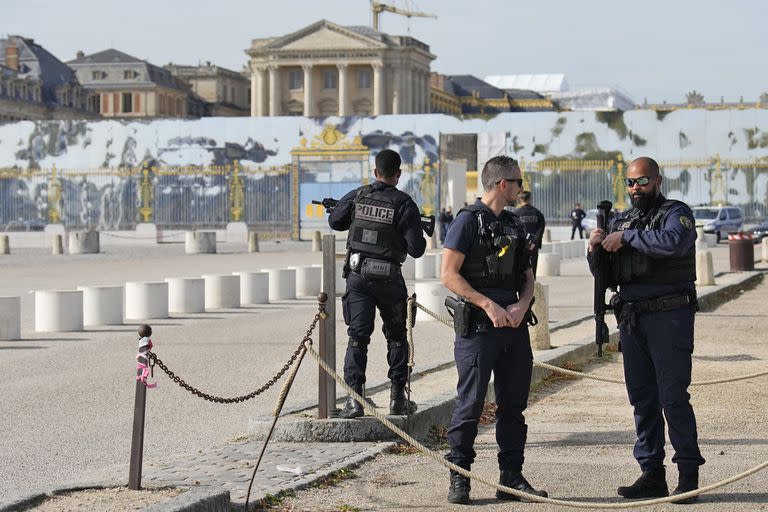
(507, 353)
(657, 349)
(359, 305)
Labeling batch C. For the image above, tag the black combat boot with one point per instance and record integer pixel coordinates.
(458, 491)
(517, 481)
(352, 408)
(398, 404)
(651, 484)
(688, 481)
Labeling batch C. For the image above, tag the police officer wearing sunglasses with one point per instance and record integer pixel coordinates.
(652, 256)
(486, 262)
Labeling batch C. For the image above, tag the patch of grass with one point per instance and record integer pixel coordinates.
(271, 501)
(403, 448)
(334, 478)
(241, 437)
(348, 508)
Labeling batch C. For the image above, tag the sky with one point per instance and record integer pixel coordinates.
(653, 49)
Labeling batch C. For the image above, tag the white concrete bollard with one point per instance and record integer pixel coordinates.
(431, 295)
(547, 236)
(705, 274)
(5, 244)
(308, 281)
(84, 242)
(408, 269)
(317, 241)
(146, 300)
(438, 265)
(540, 332)
(557, 248)
(282, 283)
(236, 232)
(701, 241)
(425, 267)
(102, 305)
(200, 242)
(222, 291)
(253, 241)
(764, 247)
(10, 318)
(58, 244)
(549, 265)
(186, 294)
(546, 248)
(711, 239)
(254, 288)
(58, 310)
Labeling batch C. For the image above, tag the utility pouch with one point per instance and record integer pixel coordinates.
(346, 268)
(376, 269)
(530, 317)
(459, 309)
(617, 305)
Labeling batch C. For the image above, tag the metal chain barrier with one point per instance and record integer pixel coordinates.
(529, 497)
(154, 360)
(449, 322)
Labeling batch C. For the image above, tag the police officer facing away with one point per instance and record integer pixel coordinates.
(485, 261)
(653, 263)
(534, 223)
(384, 226)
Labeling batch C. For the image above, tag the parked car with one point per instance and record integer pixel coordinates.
(760, 231)
(718, 219)
(589, 222)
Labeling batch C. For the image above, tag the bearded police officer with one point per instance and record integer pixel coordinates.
(486, 262)
(384, 226)
(653, 264)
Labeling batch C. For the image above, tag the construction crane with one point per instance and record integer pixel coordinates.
(378, 8)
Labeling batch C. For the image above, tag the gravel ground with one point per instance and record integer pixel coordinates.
(105, 500)
(581, 435)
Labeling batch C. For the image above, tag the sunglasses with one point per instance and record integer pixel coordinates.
(519, 181)
(642, 180)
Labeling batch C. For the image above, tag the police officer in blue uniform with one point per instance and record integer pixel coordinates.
(486, 262)
(652, 258)
(384, 226)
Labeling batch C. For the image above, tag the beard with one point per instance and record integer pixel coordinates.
(643, 200)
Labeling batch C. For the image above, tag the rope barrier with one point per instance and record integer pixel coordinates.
(528, 497)
(582, 375)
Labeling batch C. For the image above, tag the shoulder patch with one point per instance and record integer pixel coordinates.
(686, 222)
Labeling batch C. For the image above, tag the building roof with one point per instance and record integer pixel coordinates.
(37, 62)
(105, 57)
(469, 85)
(544, 84)
(594, 99)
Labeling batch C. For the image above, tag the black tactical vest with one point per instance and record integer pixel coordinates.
(630, 266)
(375, 217)
(499, 251)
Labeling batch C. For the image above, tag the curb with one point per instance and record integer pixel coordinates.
(193, 499)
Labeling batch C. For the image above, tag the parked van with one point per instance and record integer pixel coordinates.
(719, 220)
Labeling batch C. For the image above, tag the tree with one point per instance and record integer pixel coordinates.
(694, 98)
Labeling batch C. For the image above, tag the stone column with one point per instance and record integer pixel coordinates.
(378, 89)
(397, 95)
(428, 92)
(274, 91)
(309, 98)
(419, 92)
(261, 83)
(255, 96)
(343, 108)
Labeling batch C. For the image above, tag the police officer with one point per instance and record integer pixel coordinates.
(653, 263)
(577, 215)
(384, 226)
(485, 261)
(534, 223)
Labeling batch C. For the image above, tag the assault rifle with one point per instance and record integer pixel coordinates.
(328, 203)
(601, 262)
(427, 222)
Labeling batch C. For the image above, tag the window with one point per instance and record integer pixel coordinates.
(129, 74)
(329, 79)
(127, 102)
(295, 79)
(98, 75)
(364, 79)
